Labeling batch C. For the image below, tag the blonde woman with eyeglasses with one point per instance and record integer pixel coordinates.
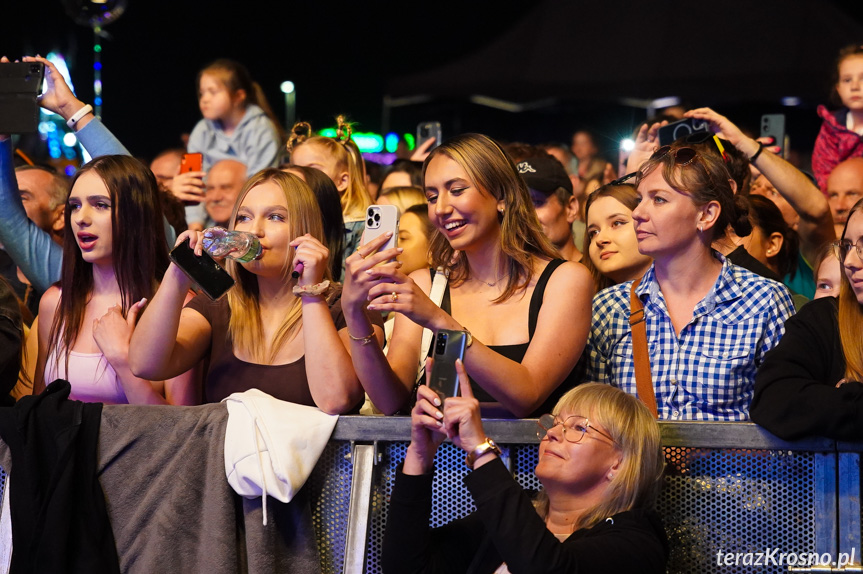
(600, 462)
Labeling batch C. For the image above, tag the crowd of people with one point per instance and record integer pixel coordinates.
(592, 300)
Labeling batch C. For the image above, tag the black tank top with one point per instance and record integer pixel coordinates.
(516, 352)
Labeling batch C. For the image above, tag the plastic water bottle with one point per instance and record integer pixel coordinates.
(239, 245)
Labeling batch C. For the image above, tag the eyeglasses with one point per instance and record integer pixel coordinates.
(574, 427)
(843, 246)
(682, 155)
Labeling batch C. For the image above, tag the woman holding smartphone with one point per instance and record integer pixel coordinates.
(600, 463)
(525, 310)
(272, 332)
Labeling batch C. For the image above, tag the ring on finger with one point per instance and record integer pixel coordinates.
(394, 296)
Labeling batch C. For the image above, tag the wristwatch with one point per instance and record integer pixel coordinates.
(482, 448)
(468, 338)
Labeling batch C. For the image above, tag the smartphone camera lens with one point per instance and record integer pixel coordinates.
(441, 344)
(377, 216)
(34, 68)
(370, 222)
(371, 212)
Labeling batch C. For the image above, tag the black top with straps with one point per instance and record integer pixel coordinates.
(516, 352)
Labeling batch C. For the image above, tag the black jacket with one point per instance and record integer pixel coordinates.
(795, 388)
(506, 528)
(59, 520)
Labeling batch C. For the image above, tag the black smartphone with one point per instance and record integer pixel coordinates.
(773, 126)
(427, 130)
(20, 86)
(448, 346)
(674, 131)
(204, 271)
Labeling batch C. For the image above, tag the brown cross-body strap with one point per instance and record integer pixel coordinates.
(640, 354)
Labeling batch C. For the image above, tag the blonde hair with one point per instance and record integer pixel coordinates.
(355, 199)
(404, 197)
(636, 434)
(304, 216)
(491, 170)
(850, 316)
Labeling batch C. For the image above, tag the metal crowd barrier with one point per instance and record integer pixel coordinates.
(732, 492)
(735, 498)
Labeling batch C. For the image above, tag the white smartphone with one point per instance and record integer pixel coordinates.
(379, 220)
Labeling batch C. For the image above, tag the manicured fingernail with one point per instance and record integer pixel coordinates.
(369, 271)
(389, 234)
(439, 423)
(372, 307)
(436, 402)
(399, 249)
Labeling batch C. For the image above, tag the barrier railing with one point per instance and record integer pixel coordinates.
(735, 497)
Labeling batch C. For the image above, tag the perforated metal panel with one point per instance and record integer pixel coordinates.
(745, 501)
(330, 486)
(728, 500)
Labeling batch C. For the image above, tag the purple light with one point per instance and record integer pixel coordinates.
(97, 65)
(70, 170)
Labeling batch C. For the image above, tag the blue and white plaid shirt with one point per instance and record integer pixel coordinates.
(708, 372)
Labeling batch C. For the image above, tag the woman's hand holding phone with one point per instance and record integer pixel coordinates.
(461, 417)
(361, 268)
(430, 424)
(58, 97)
(427, 431)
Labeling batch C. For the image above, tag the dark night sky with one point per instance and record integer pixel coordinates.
(339, 55)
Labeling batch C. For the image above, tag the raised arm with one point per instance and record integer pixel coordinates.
(333, 383)
(169, 339)
(520, 388)
(32, 249)
(388, 379)
(816, 222)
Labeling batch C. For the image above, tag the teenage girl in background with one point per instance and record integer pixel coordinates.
(238, 124)
(841, 134)
(340, 159)
(610, 241)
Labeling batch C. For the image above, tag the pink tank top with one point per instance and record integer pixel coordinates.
(92, 378)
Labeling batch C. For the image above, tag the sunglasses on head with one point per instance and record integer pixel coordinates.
(682, 156)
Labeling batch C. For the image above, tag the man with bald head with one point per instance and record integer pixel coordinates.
(224, 182)
(844, 189)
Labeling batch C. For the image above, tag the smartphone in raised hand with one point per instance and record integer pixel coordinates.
(448, 346)
(379, 220)
(208, 275)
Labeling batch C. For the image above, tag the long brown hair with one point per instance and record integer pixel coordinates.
(139, 251)
(628, 197)
(304, 216)
(491, 170)
(850, 317)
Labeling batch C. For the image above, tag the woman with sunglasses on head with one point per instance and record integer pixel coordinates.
(527, 311)
(708, 322)
(811, 384)
(600, 462)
